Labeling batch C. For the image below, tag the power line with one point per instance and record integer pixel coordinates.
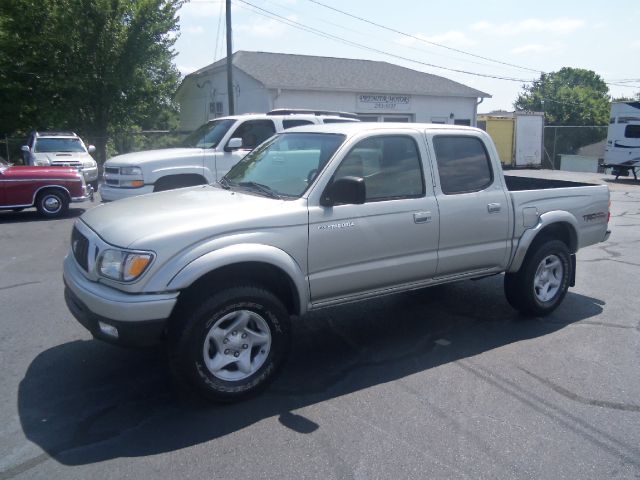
(292, 23)
(451, 48)
(362, 34)
(414, 37)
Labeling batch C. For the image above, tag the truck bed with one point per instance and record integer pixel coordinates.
(516, 183)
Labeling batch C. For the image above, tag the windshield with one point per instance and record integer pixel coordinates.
(48, 145)
(209, 134)
(286, 164)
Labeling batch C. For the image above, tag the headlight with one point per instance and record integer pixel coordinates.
(130, 171)
(42, 163)
(123, 266)
(89, 164)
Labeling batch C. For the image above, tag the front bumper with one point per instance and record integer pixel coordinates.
(140, 319)
(88, 195)
(110, 194)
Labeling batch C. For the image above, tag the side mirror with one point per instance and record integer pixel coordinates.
(345, 190)
(91, 149)
(25, 148)
(233, 144)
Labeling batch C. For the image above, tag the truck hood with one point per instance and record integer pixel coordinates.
(140, 158)
(21, 172)
(188, 215)
(62, 157)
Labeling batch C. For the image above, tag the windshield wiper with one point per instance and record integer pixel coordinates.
(261, 188)
(224, 183)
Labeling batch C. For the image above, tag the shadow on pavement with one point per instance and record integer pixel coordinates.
(32, 215)
(85, 401)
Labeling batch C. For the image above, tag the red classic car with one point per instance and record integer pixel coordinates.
(49, 189)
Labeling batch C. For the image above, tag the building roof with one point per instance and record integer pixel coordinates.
(306, 72)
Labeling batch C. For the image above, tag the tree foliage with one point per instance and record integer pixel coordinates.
(570, 96)
(94, 66)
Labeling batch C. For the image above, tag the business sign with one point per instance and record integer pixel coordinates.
(384, 102)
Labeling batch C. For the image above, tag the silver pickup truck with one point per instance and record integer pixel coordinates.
(317, 216)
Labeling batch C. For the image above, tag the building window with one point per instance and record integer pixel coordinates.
(385, 118)
(215, 108)
(462, 121)
(367, 118)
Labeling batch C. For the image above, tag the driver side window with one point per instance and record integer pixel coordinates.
(390, 166)
(254, 132)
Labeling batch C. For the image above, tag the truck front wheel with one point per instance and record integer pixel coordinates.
(232, 346)
(52, 203)
(542, 281)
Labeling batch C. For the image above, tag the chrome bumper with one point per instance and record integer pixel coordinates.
(87, 196)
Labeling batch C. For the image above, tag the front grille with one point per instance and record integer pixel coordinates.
(66, 164)
(80, 248)
(112, 170)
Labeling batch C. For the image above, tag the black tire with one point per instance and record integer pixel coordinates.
(193, 351)
(542, 281)
(52, 203)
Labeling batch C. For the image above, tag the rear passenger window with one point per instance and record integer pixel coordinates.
(295, 123)
(390, 166)
(463, 164)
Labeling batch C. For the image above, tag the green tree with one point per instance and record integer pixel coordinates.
(570, 96)
(94, 66)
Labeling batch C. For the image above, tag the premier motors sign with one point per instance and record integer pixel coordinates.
(377, 101)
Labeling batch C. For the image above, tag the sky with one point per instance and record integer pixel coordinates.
(495, 38)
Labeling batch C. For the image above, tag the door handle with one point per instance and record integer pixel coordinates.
(494, 207)
(422, 217)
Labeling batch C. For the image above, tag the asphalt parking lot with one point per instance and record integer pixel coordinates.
(447, 382)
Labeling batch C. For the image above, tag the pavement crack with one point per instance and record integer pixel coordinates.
(19, 285)
(580, 399)
(607, 325)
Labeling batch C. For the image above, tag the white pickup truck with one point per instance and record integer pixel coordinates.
(318, 216)
(206, 154)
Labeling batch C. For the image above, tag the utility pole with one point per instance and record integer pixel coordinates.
(229, 62)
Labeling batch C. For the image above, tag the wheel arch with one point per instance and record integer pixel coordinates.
(552, 225)
(266, 266)
(44, 188)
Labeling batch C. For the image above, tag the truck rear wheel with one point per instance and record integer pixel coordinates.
(542, 281)
(232, 346)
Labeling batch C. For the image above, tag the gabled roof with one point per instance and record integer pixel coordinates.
(306, 72)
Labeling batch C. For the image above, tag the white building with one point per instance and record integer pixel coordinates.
(376, 91)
